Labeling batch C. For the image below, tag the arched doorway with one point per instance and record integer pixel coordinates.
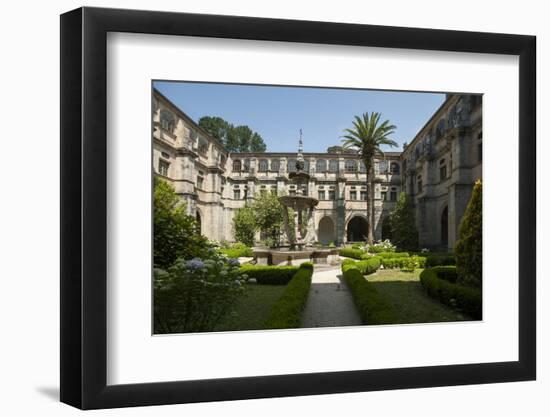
(357, 230)
(199, 222)
(326, 230)
(445, 227)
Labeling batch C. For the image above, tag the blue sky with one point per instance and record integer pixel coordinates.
(278, 113)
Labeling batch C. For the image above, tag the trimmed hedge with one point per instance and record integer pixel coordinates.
(353, 253)
(237, 252)
(366, 267)
(270, 274)
(440, 259)
(286, 313)
(387, 255)
(403, 262)
(371, 306)
(448, 273)
(466, 299)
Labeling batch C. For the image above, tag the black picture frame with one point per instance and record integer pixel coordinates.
(84, 207)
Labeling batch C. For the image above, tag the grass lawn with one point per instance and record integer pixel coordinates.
(252, 310)
(404, 292)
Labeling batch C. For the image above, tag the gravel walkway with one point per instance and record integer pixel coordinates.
(329, 303)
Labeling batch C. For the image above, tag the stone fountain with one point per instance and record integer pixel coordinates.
(299, 225)
(301, 204)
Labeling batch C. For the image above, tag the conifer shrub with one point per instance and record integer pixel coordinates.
(468, 248)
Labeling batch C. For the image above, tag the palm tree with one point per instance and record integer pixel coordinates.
(367, 137)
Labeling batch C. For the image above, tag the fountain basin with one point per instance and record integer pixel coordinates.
(286, 256)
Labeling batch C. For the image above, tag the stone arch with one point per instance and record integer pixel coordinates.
(357, 229)
(444, 229)
(326, 230)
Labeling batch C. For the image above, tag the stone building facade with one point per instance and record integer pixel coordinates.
(215, 183)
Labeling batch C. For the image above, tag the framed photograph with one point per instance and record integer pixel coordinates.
(259, 208)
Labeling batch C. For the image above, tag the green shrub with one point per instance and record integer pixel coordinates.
(237, 250)
(268, 274)
(357, 246)
(384, 246)
(352, 253)
(448, 273)
(195, 295)
(403, 224)
(440, 259)
(286, 313)
(404, 262)
(386, 255)
(175, 233)
(366, 267)
(468, 248)
(466, 299)
(244, 225)
(372, 308)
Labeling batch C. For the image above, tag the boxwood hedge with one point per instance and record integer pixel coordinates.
(403, 262)
(440, 259)
(371, 306)
(354, 253)
(268, 274)
(286, 313)
(437, 284)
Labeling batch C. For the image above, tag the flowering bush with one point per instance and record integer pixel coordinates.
(384, 246)
(194, 295)
(425, 250)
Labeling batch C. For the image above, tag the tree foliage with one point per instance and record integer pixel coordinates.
(234, 138)
(268, 212)
(244, 225)
(367, 137)
(175, 234)
(468, 248)
(403, 224)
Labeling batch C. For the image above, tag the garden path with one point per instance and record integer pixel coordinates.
(329, 302)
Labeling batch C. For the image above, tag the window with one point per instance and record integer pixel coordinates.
(203, 146)
(275, 165)
(442, 170)
(237, 165)
(362, 167)
(333, 165)
(419, 183)
(165, 155)
(236, 194)
(383, 167)
(331, 194)
(383, 195)
(245, 192)
(351, 165)
(163, 167)
(200, 180)
(394, 168)
(246, 165)
(167, 121)
(321, 165)
(393, 195)
(291, 165)
(352, 194)
(364, 195)
(263, 165)
(322, 195)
